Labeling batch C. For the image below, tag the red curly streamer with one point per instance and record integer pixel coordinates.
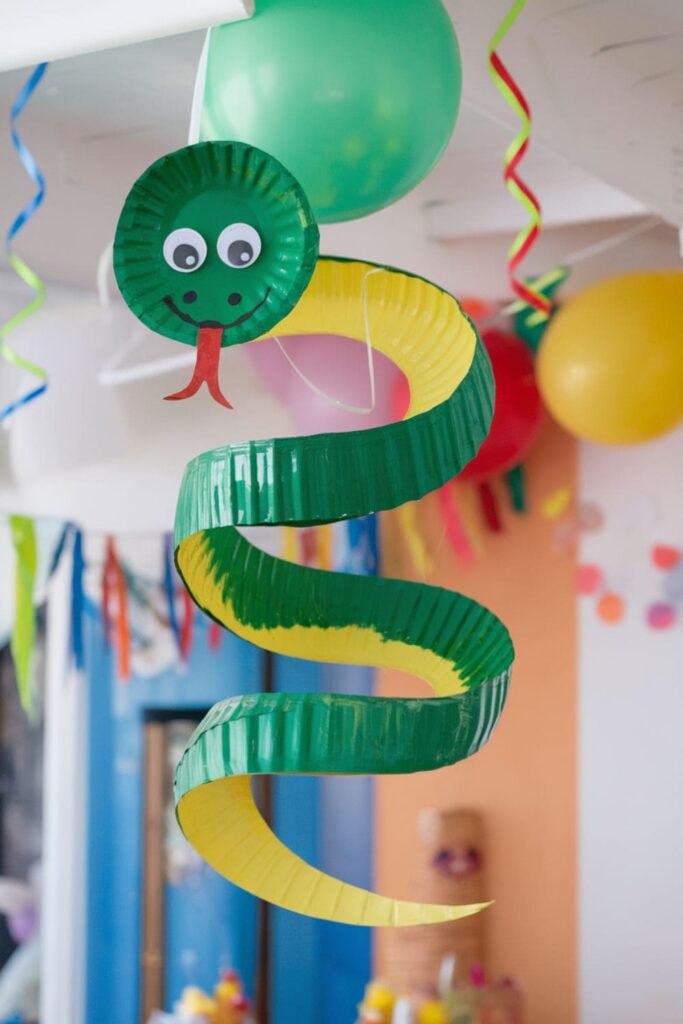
(514, 154)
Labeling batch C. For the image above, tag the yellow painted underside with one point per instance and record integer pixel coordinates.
(415, 324)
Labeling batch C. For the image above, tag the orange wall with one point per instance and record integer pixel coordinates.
(524, 781)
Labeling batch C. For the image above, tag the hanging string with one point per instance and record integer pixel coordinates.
(21, 269)
(514, 154)
(360, 409)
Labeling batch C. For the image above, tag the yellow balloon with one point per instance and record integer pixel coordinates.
(610, 367)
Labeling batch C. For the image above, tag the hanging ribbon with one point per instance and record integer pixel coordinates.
(169, 587)
(290, 544)
(415, 543)
(23, 633)
(529, 324)
(186, 631)
(77, 572)
(59, 550)
(489, 506)
(324, 537)
(114, 584)
(309, 546)
(24, 272)
(514, 154)
(454, 527)
(123, 631)
(214, 637)
(516, 482)
(107, 587)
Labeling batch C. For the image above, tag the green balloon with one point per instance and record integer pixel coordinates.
(358, 98)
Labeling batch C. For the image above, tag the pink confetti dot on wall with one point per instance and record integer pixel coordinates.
(661, 616)
(611, 608)
(590, 516)
(665, 557)
(588, 579)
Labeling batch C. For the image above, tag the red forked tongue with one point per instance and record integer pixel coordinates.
(205, 367)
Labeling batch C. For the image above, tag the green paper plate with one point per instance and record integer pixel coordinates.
(214, 235)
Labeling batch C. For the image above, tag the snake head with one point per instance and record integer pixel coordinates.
(215, 236)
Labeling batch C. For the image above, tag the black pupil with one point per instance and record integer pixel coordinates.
(185, 256)
(240, 253)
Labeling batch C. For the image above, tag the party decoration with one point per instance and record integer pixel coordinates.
(169, 588)
(223, 274)
(518, 414)
(590, 518)
(23, 634)
(665, 557)
(660, 615)
(77, 600)
(358, 101)
(455, 528)
(588, 579)
(114, 588)
(21, 269)
(518, 189)
(414, 541)
(556, 503)
(460, 648)
(611, 608)
(516, 481)
(489, 507)
(530, 324)
(610, 367)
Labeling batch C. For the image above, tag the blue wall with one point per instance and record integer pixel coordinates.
(318, 969)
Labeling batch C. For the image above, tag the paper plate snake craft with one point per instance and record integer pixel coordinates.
(216, 245)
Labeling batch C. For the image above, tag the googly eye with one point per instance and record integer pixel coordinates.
(184, 250)
(239, 245)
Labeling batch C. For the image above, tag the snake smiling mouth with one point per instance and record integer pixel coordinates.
(209, 342)
(214, 323)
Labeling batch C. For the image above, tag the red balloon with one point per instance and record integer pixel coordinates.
(518, 412)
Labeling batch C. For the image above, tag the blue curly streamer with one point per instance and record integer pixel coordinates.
(20, 268)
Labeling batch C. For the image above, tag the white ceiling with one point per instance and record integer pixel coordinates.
(45, 30)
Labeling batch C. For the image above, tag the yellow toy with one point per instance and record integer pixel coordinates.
(378, 1004)
(432, 1012)
(196, 1003)
(229, 1004)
